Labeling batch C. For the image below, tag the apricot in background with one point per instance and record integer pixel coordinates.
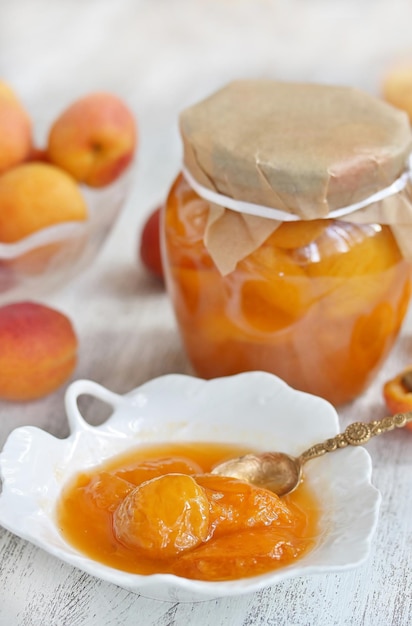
(397, 87)
(149, 249)
(34, 196)
(38, 350)
(15, 130)
(94, 139)
(397, 393)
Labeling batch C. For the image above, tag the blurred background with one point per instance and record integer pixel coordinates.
(161, 55)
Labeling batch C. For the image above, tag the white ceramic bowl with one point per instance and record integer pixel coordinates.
(51, 257)
(254, 408)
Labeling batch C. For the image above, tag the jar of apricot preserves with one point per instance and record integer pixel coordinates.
(288, 235)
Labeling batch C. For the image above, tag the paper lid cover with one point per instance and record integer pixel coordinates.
(305, 149)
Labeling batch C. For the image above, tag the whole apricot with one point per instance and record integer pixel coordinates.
(15, 130)
(94, 139)
(149, 249)
(38, 350)
(397, 87)
(34, 196)
(38, 154)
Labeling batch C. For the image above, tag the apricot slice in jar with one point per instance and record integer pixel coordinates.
(186, 212)
(274, 291)
(291, 235)
(349, 250)
(164, 516)
(355, 267)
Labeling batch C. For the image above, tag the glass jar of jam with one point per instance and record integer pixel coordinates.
(308, 275)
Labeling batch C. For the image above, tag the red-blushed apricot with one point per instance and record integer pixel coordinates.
(38, 350)
(38, 154)
(149, 249)
(94, 139)
(397, 393)
(164, 516)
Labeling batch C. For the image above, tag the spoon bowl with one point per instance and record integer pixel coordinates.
(276, 471)
(282, 473)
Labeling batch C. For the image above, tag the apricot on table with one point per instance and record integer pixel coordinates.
(397, 393)
(34, 196)
(149, 248)
(164, 516)
(94, 139)
(15, 130)
(38, 350)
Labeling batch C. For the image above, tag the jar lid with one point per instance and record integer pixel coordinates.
(305, 149)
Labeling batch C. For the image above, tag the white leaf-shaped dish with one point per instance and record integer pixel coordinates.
(253, 408)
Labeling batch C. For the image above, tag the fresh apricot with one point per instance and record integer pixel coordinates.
(38, 350)
(38, 154)
(149, 249)
(94, 139)
(397, 393)
(397, 87)
(15, 130)
(34, 196)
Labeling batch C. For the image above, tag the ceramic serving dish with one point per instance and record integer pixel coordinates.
(254, 408)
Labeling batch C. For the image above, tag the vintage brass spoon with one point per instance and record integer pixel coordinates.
(282, 473)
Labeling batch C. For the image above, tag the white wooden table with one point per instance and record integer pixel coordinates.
(161, 56)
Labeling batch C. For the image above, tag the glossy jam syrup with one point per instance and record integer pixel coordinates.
(320, 303)
(182, 519)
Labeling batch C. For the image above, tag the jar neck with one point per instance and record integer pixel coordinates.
(259, 210)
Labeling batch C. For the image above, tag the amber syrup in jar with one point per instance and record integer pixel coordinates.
(319, 303)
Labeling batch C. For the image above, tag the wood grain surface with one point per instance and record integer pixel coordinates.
(160, 55)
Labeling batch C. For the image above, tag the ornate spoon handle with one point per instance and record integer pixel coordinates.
(357, 434)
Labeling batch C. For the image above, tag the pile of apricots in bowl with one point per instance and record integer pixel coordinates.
(59, 202)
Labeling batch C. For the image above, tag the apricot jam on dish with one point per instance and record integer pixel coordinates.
(158, 509)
